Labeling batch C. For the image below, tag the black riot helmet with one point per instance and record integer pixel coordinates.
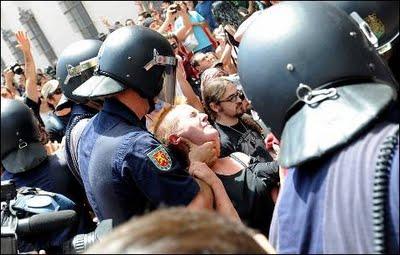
(76, 65)
(313, 76)
(381, 16)
(21, 149)
(137, 58)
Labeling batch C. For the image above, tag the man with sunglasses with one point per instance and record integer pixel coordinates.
(57, 119)
(223, 102)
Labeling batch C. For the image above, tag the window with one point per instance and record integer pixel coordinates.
(79, 18)
(36, 34)
(3, 65)
(11, 40)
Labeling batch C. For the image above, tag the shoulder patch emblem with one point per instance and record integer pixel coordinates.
(160, 158)
(376, 25)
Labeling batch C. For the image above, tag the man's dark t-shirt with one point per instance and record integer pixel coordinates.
(35, 106)
(249, 191)
(243, 139)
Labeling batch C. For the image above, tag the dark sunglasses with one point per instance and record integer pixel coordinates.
(174, 45)
(233, 98)
(58, 91)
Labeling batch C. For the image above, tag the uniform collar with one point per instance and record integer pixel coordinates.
(78, 109)
(116, 108)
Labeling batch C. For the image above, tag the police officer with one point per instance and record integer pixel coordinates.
(333, 104)
(382, 18)
(25, 160)
(125, 170)
(24, 157)
(74, 66)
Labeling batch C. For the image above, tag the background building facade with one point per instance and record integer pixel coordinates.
(53, 25)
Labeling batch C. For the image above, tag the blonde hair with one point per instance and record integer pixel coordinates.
(161, 128)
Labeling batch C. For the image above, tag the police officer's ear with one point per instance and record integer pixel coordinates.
(215, 107)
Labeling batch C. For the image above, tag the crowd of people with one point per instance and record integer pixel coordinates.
(214, 126)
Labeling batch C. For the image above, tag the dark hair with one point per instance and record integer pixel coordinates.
(179, 230)
(126, 21)
(145, 14)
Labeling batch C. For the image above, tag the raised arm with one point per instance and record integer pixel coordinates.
(183, 32)
(169, 19)
(30, 67)
(8, 81)
(187, 90)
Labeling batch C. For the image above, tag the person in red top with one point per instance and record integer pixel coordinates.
(192, 74)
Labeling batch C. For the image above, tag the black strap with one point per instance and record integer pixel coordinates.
(380, 190)
(71, 161)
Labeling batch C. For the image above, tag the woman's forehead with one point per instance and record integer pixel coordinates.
(184, 108)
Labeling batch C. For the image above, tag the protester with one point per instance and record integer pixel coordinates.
(129, 22)
(225, 13)
(8, 90)
(179, 230)
(200, 41)
(204, 9)
(142, 16)
(191, 74)
(247, 182)
(223, 102)
(29, 79)
(56, 120)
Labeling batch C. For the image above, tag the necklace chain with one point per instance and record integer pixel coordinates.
(234, 129)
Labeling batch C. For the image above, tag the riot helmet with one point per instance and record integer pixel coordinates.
(382, 18)
(313, 76)
(21, 148)
(76, 65)
(137, 58)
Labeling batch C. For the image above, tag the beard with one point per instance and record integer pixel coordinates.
(239, 111)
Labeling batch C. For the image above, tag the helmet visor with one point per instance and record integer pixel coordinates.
(167, 93)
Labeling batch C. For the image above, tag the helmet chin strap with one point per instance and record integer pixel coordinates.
(151, 104)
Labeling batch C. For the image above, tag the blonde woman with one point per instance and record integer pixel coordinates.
(248, 183)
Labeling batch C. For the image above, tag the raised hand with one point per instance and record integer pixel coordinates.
(180, 69)
(105, 21)
(52, 147)
(23, 41)
(8, 74)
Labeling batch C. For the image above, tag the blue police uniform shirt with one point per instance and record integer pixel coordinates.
(51, 175)
(326, 207)
(78, 110)
(125, 170)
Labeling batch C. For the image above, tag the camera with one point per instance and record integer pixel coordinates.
(17, 69)
(175, 8)
(50, 71)
(80, 243)
(27, 225)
